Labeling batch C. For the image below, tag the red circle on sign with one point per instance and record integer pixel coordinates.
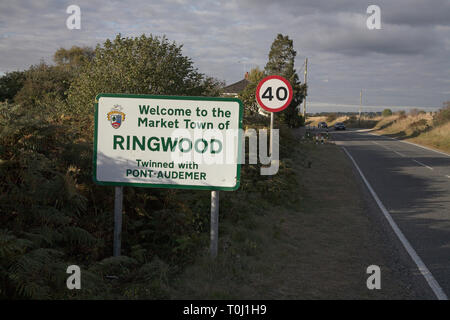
(284, 106)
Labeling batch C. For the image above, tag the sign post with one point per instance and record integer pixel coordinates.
(271, 135)
(167, 142)
(274, 94)
(214, 223)
(118, 200)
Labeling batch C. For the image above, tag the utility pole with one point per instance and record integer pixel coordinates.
(360, 107)
(304, 99)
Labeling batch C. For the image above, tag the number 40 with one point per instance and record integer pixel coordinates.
(280, 96)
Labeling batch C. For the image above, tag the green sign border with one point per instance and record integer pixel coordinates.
(170, 186)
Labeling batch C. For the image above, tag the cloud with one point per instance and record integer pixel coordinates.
(416, 12)
(390, 40)
(405, 63)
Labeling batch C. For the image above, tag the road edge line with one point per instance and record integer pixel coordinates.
(422, 164)
(412, 143)
(434, 285)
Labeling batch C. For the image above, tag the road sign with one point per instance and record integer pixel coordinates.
(167, 141)
(274, 93)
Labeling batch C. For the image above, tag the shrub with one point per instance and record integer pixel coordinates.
(443, 116)
(386, 113)
(52, 214)
(10, 84)
(141, 65)
(331, 117)
(44, 84)
(421, 123)
(401, 114)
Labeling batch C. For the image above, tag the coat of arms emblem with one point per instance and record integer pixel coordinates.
(116, 116)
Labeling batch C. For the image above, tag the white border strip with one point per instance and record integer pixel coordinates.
(434, 285)
(422, 164)
(412, 143)
(423, 147)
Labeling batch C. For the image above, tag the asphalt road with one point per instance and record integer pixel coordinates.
(413, 184)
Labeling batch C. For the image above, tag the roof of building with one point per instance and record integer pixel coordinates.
(236, 87)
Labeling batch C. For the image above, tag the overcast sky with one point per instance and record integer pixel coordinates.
(406, 63)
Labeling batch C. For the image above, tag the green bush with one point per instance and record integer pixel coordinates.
(10, 84)
(43, 85)
(141, 65)
(386, 113)
(443, 116)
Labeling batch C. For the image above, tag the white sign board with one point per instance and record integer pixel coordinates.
(274, 93)
(167, 141)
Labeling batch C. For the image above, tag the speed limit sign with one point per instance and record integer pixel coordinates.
(274, 93)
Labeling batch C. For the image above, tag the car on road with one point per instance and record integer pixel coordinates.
(339, 126)
(322, 124)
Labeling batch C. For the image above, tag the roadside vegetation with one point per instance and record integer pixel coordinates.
(279, 239)
(430, 129)
(316, 243)
(351, 121)
(52, 215)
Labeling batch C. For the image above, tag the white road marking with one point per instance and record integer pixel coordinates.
(390, 149)
(434, 285)
(400, 154)
(412, 143)
(379, 144)
(422, 164)
(448, 176)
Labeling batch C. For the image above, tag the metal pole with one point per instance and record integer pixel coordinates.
(118, 197)
(271, 135)
(360, 106)
(304, 101)
(214, 223)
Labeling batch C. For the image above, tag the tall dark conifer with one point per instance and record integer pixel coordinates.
(281, 62)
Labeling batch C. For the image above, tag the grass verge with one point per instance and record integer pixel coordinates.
(438, 138)
(316, 244)
(418, 129)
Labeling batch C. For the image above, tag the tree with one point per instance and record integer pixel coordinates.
(247, 96)
(386, 113)
(281, 62)
(10, 84)
(43, 84)
(74, 57)
(141, 65)
(212, 87)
